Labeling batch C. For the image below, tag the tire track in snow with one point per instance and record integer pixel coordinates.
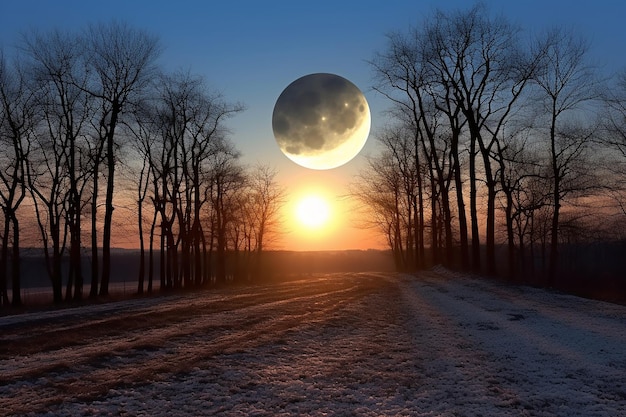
(35, 382)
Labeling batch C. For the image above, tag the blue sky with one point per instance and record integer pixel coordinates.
(251, 50)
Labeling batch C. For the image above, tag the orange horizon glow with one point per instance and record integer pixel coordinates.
(343, 229)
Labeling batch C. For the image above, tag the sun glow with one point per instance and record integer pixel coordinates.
(342, 228)
(313, 212)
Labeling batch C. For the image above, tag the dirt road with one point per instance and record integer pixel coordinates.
(343, 344)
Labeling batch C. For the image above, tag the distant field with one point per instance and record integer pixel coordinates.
(125, 264)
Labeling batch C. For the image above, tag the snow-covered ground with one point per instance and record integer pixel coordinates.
(438, 344)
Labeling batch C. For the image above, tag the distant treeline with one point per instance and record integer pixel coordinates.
(277, 264)
(593, 270)
(497, 138)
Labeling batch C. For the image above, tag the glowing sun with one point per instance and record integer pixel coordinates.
(313, 212)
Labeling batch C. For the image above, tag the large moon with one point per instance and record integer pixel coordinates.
(321, 121)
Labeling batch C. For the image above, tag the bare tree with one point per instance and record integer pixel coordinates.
(178, 133)
(524, 191)
(142, 146)
(567, 83)
(227, 178)
(205, 137)
(17, 122)
(616, 116)
(266, 198)
(58, 176)
(380, 188)
(483, 61)
(401, 78)
(122, 59)
(400, 144)
(614, 138)
(460, 70)
(240, 231)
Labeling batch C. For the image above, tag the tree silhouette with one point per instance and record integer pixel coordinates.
(58, 174)
(122, 60)
(566, 83)
(17, 122)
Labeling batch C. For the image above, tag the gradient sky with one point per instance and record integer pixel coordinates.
(251, 50)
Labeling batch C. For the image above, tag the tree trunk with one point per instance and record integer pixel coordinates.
(75, 248)
(95, 253)
(207, 275)
(433, 222)
(421, 226)
(75, 232)
(175, 281)
(169, 261)
(163, 253)
(70, 281)
(476, 267)
(151, 252)
(186, 264)
(418, 208)
(15, 264)
(447, 219)
(197, 253)
(4, 258)
(554, 232)
(142, 250)
(458, 183)
(108, 205)
(409, 231)
(57, 284)
(220, 267)
(491, 225)
(490, 229)
(508, 213)
(554, 236)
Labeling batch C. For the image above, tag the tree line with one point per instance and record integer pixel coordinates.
(84, 113)
(501, 147)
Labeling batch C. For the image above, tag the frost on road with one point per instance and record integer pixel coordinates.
(434, 344)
